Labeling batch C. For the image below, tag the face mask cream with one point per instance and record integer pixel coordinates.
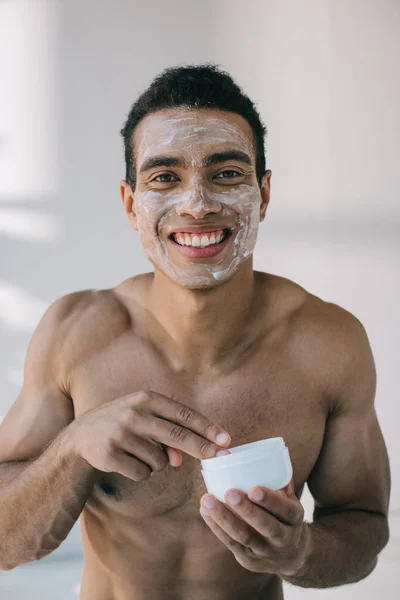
(265, 463)
(160, 205)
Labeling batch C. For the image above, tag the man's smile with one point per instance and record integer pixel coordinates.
(201, 244)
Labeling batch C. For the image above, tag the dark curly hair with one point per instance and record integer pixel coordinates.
(193, 86)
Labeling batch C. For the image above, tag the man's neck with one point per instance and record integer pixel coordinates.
(202, 327)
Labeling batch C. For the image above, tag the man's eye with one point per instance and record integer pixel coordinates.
(230, 171)
(164, 180)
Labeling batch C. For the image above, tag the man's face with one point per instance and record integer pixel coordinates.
(197, 210)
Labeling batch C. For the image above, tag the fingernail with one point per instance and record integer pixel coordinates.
(233, 498)
(256, 495)
(209, 502)
(222, 438)
(222, 453)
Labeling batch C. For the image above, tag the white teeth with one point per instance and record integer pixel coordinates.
(198, 241)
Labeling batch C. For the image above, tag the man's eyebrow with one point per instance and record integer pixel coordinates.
(217, 157)
(162, 160)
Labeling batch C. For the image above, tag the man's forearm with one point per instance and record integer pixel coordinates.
(342, 548)
(40, 502)
(11, 470)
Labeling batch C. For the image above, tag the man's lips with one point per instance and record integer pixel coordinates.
(207, 251)
(204, 229)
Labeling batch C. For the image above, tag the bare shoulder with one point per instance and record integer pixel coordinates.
(330, 342)
(47, 344)
(95, 319)
(65, 308)
(322, 320)
(57, 321)
(87, 308)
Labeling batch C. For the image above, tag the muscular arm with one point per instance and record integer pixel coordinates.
(351, 479)
(43, 484)
(8, 471)
(41, 504)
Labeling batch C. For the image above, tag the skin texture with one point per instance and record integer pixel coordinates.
(255, 353)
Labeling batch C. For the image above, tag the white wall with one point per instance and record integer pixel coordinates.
(325, 78)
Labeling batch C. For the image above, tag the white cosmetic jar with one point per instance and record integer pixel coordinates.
(265, 463)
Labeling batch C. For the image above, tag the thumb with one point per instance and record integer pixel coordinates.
(174, 455)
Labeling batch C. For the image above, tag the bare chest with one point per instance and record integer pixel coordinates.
(268, 395)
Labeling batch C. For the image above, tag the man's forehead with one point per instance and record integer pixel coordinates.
(190, 129)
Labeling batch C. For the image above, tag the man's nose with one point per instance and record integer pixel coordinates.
(198, 205)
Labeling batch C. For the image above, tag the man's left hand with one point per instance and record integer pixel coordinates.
(266, 535)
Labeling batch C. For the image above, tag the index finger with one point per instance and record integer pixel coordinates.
(189, 418)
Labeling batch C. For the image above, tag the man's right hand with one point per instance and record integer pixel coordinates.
(128, 435)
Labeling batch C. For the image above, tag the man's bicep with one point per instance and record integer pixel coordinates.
(42, 408)
(352, 470)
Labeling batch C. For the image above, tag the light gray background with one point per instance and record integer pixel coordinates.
(325, 77)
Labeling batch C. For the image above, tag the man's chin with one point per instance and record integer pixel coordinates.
(199, 279)
(204, 282)
(213, 283)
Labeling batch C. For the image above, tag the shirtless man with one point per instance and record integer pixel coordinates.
(126, 389)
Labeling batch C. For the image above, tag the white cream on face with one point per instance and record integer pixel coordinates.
(199, 199)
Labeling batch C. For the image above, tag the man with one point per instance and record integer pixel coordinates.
(125, 389)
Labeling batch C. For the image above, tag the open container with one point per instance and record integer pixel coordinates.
(265, 463)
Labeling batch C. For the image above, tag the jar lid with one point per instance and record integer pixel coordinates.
(244, 453)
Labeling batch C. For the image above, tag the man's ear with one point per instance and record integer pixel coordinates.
(128, 201)
(265, 193)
